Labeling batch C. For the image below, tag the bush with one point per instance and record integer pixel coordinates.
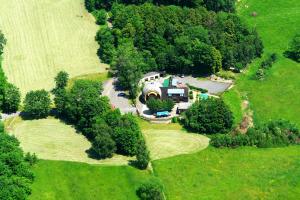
(31, 158)
(273, 134)
(260, 74)
(202, 90)
(100, 16)
(12, 98)
(266, 64)
(156, 105)
(151, 190)
(293, 51)
(37, 104)
(209, 116)
(103, 146)
(142, 155)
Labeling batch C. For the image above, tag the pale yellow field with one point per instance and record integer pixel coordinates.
(167, 143)
(44, 37)
(51, 139)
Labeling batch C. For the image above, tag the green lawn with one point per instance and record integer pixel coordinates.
(244, 173)
(279, 95)
(233, 99)
(77, 181)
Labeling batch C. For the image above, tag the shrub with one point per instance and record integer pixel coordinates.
(156, 105)
(209, 116)
(100, 16)
(202, 90)
(273, 134)
(12, 98)
(31, 158)
(151, 190)
(142, 155)
(103, 146)
(293, 51)
(260, 74)
(267, 63)
(37, 104)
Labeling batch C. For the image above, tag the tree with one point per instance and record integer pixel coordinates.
(37, 104)
(156, 105)
(129, 64)
(84, 103)
(142, 155)
(2, 42)
(60, 92)
(126, 135)
(12, 98)
(100, 16)
(103, 145)
(220, 5)
(150, 190)
(209, 116)
(16, 175)
(293, 51)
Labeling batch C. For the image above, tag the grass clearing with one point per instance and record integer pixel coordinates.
(44, 37)
(278, 96)
(53, 140)
(79, 181)
(234, 100)
(168, 143)
(243, 173)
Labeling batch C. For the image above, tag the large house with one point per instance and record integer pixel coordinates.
(170, 89)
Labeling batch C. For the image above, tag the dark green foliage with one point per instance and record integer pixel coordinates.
(151, 190)
(103, 145)
(260, 74)
(100, 16)
(267, 63)
(2, 42)
(220, 5)
(293, 51)
(60, 92)
(273, 134)
(12, 98)
(202, 90)
(156, 105)
(129, 64)
(179, 40)
(15, 174)
(142, 155)
(126, 135)
(209, 116)
(61, 80)
(31, 158)
(83, 103)
(37, 104)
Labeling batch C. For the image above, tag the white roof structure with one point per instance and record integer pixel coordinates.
(152, 87)
(175, 91)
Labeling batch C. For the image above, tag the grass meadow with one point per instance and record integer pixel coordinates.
(79, 181)
(243, 173)
(278, 96)
(44, 37)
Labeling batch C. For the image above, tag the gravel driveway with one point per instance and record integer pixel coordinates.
(213, 87)
(121, 102)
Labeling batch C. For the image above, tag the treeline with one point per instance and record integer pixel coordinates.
(108, 130)
(215, 5)
(10, 95)
(180, 40)
(15, 173)
(272, 134)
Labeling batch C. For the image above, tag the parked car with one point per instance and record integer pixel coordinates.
(121, 94)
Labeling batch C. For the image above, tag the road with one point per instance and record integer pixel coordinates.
(121, 102)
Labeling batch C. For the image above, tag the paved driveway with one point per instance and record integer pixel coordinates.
(213, 87)
(121, 102)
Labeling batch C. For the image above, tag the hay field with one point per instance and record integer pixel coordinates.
(168, 143)
(51, 139)
(44, 37)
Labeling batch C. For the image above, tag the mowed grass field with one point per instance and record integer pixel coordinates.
(44, 37)
(51, 139)
(78, 181)
(243, 173)
(279, 95)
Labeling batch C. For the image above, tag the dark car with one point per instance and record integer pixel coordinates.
(121, 94)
